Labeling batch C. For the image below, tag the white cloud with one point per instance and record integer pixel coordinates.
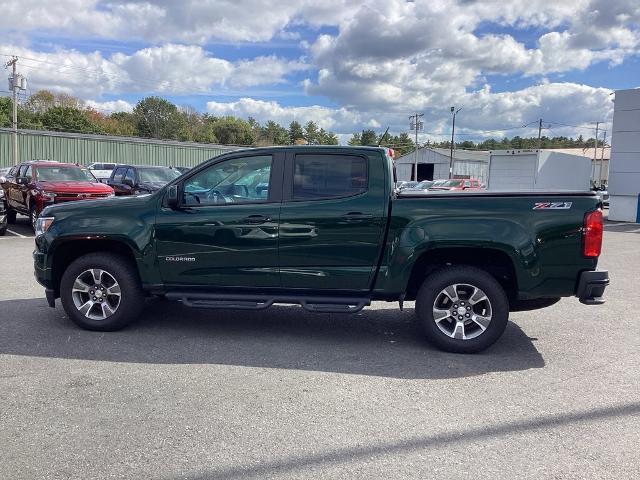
(110, 106)
(383, 59)
(425, 54)
(484, 113)
(170, 68)
(340, 119)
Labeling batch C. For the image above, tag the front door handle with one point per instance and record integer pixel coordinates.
(356, 216)
(256, 219)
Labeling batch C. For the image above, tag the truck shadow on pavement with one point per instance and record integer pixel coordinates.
(381, 342)
(622, 227)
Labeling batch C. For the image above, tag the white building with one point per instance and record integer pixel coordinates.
(624, 172)
(433, 164)
(543, 170)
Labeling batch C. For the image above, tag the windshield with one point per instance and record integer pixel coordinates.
(157, 175)
(63, 174)
(452, 183)
(425, 184)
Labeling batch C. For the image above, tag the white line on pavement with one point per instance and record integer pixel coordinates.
(16, 234)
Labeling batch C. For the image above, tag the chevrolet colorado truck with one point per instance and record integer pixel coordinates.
(322, 227)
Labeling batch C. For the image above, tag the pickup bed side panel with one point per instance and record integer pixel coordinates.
(545, 246)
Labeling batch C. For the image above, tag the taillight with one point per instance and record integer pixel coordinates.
(592, 234)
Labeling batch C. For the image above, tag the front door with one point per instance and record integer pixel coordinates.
(332, 220)
(225, 233)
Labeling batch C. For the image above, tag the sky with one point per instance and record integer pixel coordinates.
(345, 64)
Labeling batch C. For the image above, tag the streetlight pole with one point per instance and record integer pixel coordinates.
(453, 131)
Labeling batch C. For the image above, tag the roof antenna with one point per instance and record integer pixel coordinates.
(383, 135)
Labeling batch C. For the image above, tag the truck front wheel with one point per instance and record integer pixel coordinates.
(462, 309)
(101, 291)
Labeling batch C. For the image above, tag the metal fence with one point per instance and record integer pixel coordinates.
(85, 149)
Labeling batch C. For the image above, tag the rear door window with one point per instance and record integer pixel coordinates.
(317, 177)
(131, 175)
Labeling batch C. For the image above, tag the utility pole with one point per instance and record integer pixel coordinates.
(453, 131)
(539, 136)
(14, 84)
(416, 124)
(595, 150)
(604, 142)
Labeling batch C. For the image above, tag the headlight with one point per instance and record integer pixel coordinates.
(112, 194)
(1, 193)
(49, 196)
(43, 224)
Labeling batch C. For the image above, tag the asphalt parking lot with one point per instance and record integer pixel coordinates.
(288, 394)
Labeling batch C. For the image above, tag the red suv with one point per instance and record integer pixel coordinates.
(31, 186)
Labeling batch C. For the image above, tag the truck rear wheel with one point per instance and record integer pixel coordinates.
(101, 291)
(462, 309)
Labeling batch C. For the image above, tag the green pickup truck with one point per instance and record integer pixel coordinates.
(324, 228)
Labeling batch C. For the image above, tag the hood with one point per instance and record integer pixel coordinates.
(74, 187)
(152, 186)
(91, 207)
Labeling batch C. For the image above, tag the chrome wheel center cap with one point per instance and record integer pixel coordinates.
(99, 293)
(462, 310)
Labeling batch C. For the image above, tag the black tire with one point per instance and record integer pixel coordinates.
(11, 216)
(33, 217)
(132, 297)
(3, 230)
(430, 292)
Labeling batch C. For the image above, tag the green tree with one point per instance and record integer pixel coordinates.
(355, 140)
(232, 131)
(368, 137)
(296, 133)
(40, 102)
(158, 118)
(274, 134)
(311, 133)
(327, 138)
(68, 119)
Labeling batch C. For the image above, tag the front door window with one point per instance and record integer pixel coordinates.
(236, 181)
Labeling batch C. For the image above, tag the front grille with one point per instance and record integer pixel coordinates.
(68, 197)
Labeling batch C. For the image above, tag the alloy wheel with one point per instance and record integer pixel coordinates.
(96, 294)
(462, 311)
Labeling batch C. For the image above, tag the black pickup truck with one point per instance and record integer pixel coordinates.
(322, 227)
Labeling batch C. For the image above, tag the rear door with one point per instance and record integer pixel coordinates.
(332, 219)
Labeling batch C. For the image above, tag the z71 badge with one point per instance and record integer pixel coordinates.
(552, 206)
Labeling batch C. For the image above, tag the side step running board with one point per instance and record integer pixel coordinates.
(260, 302)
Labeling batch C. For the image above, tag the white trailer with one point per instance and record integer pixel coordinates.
(538, 170)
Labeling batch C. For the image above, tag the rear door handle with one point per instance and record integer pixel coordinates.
(357, 216)
(256, 219)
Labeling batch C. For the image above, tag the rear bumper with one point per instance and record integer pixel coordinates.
(591, 286)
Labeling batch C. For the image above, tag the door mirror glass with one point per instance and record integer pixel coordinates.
(128, 182)
(172, 197)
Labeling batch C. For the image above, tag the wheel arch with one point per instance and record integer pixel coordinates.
(64, 253)
(492, 260)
